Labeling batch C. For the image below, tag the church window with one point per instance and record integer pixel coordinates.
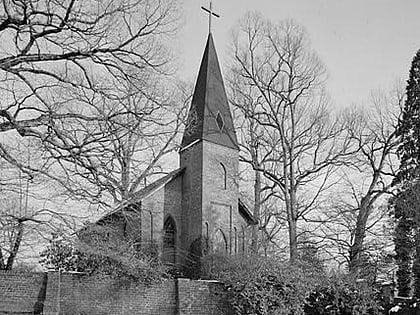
(219, 120)
(169, 240)
(207, 230)
(224, 176)
(219, 243)
(151, 227)
(206, 237)
(243, 241)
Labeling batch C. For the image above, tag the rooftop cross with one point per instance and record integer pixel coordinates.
(211, 13)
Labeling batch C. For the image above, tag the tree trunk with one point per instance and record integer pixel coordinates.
(293, 240)
(356, 249)
(15, 248)
(257, 207)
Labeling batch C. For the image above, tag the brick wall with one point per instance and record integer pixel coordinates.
(30, 293)
(82, 294)
(22, 293)
(198, 297)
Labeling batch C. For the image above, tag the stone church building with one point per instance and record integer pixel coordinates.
(195, 209)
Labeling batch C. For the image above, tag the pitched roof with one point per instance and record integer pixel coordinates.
(209, 117)
(143, 193)
(151, 188)
(246, 214)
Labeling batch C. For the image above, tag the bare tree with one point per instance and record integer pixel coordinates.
(26, 220)
(64, 65)
(142, 132)
(359, 206)
(274, 65)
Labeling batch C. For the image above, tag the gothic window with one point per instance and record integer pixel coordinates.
(219, 121)
(224, 176)
(151, 227)
(220, 243)
(243, 241)
(169, 239)
(206, 236)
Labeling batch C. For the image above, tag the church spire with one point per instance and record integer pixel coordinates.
(209, 117)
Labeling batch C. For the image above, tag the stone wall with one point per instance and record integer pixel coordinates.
(66, 293)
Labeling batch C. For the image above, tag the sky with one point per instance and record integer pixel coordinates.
(365, 45)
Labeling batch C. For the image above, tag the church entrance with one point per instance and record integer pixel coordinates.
(169, 238)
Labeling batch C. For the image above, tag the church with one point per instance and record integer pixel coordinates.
(194, 210)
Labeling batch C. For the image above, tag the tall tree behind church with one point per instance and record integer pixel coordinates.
(275, 65)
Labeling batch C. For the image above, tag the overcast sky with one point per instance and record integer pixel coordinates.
(365, 44)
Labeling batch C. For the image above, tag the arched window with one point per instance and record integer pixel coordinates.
(220, 243)
(169, 240)
(206, 236)
(224, 176)
(151, 227)
(243, 241)
(207, 230)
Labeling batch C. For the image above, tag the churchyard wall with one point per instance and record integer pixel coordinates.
(69, 293)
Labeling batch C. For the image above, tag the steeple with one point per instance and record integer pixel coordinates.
(209, 117)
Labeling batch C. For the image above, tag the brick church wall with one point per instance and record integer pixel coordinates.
(221, 203)
(152, 217)
(30, 293)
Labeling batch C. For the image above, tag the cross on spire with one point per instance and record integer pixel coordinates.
(211, 14)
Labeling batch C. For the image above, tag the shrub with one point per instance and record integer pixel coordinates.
(121, 260)
(265, 286)
(344, 295)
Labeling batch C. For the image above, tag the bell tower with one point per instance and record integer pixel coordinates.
(210, 156)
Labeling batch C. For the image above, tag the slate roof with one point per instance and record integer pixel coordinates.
(209, 117)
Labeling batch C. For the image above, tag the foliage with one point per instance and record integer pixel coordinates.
(342, 295)
(408, 128)
(123, 262)
(265, 286)
(405, 211)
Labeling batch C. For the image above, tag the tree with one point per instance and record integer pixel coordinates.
(64, 68)
(253, 155)
(275, 67)
(144, 130)
(408, 130)
(22, 227)
(358, 209)
(404, 209)
(405, 203)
